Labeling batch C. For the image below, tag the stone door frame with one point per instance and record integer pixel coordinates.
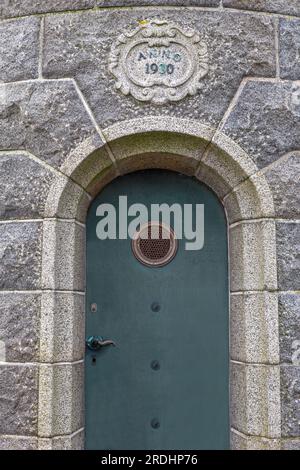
(197, 150)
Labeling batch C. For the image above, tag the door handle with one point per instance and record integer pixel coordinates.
(97, 342)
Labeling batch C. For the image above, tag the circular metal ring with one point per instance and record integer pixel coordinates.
(155, 244)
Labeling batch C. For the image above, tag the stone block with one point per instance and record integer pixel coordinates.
(66, 200)
(24, 186)
(10, 8)
(63, 252)
(18, 399)
(288, 255)
(265, 121)
(285, 7)
(62, 327)
(72, 442)
(20, 255)
(290, 444)
(290, 401)
(289, 45)
(240, 441)
(283, 178)
(289, 327)
(46, 118)
(18, 443)
(61, 399)
(19, 49)
(252, 248)
(19, 326)
(257, 388)
(254, 328)
(252, 199)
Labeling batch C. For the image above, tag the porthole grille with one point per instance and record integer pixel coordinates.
(154, 245)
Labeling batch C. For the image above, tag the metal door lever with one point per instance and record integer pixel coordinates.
(97, 342)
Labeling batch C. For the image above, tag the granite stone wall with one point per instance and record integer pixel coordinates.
(57, 98)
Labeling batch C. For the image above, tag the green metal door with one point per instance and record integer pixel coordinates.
(165, 383)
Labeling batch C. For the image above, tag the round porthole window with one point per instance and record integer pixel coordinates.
(154, 245)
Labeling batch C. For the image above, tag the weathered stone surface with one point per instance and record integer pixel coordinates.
(62, 327)
(63, 252)
(63, 414)
(288, 253)
(283, 177)
(19, 326)
(20, 255)
(289, 48)
(141, 3)
(19, 49)
(79, 46)
(289, 328)
(290, 401)
(11, 8)
(18, 443)
(286, 7)
(266, 120)
(24, 186)
(73, 442)
(253, 318)
(240, 441)
(290, 444)
(252, 248)
(18, 399)
(47, 119)
(257, 388)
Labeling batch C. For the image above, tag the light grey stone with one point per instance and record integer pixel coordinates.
(19, 49)
(66, 200)
(79, 46)
(252, 248)
(18, 399)
(254, 328)
(286, 7)
(24, 186)
(62, 327)
(18, 443)
(240, 441)
(87, 162)
(61, 399)
(19, 325)
(289, 42)
(225, 165)
(252, 199)
(255, 399)
(289, 323)
(20, 255)
(288, 254)
(266, 120)
(73, 442)
(283, 177)
(290, 401)
(290, 444)
(46, 118)
(63, 266)
(9, 8)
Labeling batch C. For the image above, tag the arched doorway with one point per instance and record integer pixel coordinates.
(191, 148)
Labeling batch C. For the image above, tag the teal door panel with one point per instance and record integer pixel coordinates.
(165, 383)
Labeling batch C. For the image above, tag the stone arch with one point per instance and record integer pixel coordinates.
(194, 149)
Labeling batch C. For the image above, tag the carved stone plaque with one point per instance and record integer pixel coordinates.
(159, 62)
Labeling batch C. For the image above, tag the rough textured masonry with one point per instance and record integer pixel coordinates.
(65, 131)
